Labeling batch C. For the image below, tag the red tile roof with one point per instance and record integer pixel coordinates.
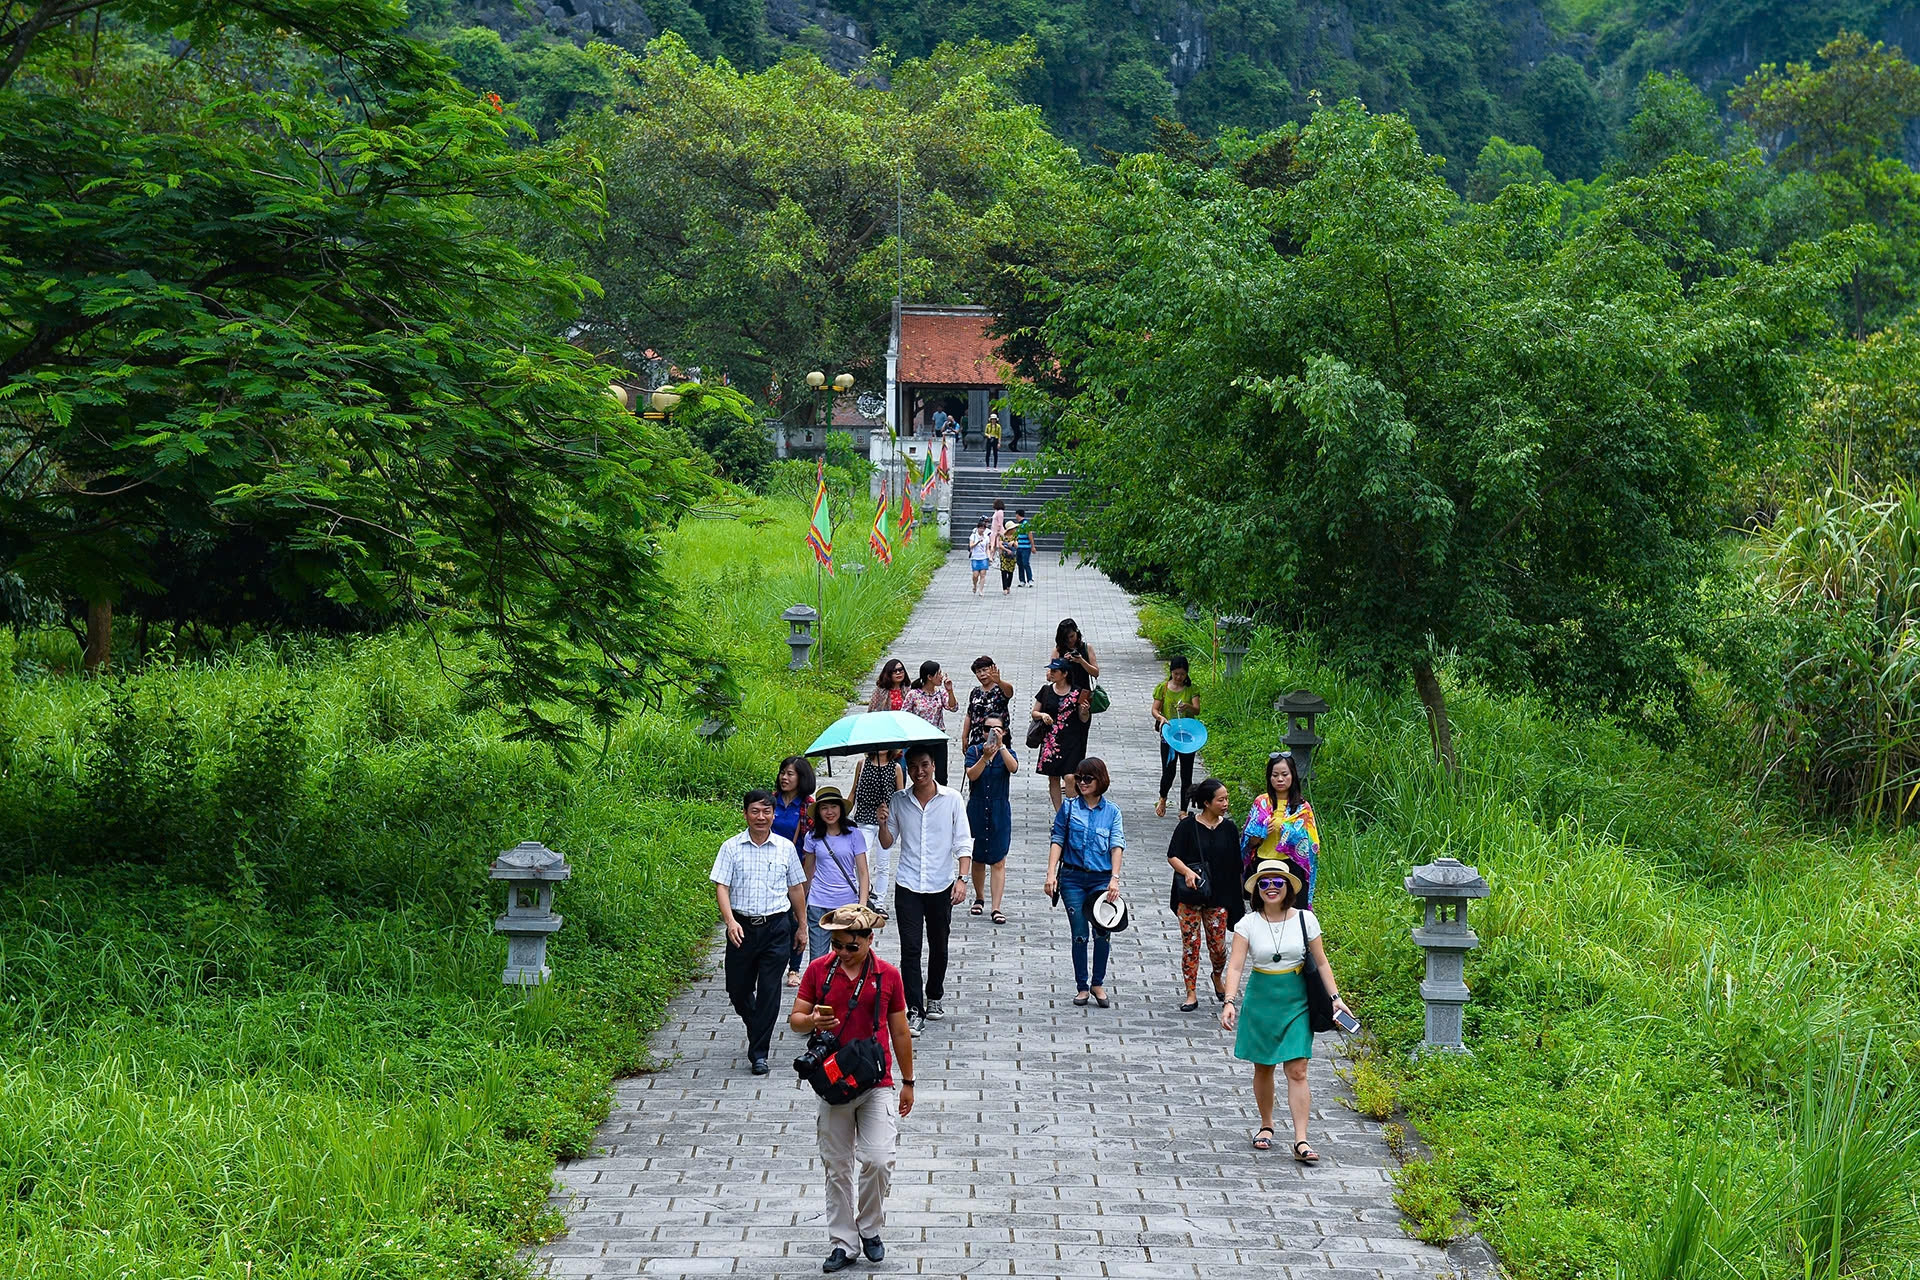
(950, 350)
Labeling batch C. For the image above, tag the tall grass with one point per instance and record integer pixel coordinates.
(251, 1019)
(1659, 962)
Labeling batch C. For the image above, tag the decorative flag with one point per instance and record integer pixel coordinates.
(906, 516)
(882, 548)
(946, 472)
(820, 532)
(929, 477)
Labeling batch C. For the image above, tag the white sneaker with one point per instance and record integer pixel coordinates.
(935, 1010)
(916, 1022)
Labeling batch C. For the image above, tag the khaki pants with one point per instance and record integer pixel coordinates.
(864, 1130)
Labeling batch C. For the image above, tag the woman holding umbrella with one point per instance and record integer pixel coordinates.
(1174, 699)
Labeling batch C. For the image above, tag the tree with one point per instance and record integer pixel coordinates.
(754, 216)
(249, 295)
(1420, 429)
(1674, 118)
(1501, 164)
(1567, 121)
(1839, 123)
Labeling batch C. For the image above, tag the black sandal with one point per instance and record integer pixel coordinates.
(1304, 1153)
(1219, 992)
(1266, 1143)
(979, 907)
(999, 917)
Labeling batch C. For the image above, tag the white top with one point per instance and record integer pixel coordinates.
(758, 876)
(1286, 938)
(978, 543)
(929, 842)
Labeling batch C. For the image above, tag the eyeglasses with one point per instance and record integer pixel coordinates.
(859, 941)
(1270, 882)
(1279, 755)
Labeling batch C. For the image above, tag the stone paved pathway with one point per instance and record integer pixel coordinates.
(1048, 1140)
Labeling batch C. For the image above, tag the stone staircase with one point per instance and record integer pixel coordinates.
(975, 487)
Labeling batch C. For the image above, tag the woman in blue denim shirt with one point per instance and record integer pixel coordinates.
(1082, 860)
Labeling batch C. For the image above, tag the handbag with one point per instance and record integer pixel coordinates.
(1100, 700)
(1319, 1002)
(1037, 732)
(838, 1072)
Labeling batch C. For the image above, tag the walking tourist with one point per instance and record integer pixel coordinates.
(792, 793)
(857, 1138)
(997, 525)
(1064, 711)
(990, 699)
(890, 690)
(993, 440)
(759, 883)
(932, 696)
(979, 554)
(833, 853)
(1008, 562)
(1023, 546)
(1174, 699)
(1071, 647)
(1281, 825)
(1083, 863)
(1205, 853)
(1277, 939)
(929, 823)
(991, 764)
(875, 778)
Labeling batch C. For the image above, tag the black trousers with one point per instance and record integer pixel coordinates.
(1168, 757)
(933, 912)
(993, 451)
(755, 970)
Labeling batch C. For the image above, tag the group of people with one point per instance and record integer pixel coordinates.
(816, 872)
(1007, 543)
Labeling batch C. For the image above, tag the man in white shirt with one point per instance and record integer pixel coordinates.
(761, 888)
(936, 852)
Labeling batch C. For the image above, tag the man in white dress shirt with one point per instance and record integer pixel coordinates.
(929, 822)
(761, 887)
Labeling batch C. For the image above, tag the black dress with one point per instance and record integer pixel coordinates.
(1077, 676)
(1218, 851)
(1071, 742)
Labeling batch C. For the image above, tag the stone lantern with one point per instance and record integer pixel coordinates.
(530, 870)
(1300, 707)
(800, 619)
(1233, 647)
(1444, 886)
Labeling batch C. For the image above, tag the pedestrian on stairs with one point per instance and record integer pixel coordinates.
(993, 441)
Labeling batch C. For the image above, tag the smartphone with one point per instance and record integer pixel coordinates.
(1346, 1022)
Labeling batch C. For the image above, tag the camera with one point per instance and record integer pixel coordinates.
(821, 1045)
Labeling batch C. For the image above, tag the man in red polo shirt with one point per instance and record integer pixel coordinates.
(866, 1130)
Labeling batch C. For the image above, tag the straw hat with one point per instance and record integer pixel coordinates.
(828, 792)
(1274, 867)
(856, 918)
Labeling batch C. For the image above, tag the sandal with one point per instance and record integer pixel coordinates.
(1219, 991)
(999, 917)
(1266, 1143)
(1304, 1153)
(1082, 999)
(1160, 807)
(979, 908)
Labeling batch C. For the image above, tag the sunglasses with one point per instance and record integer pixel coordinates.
(1279, 755)
(1271, 882)
(1085, 778)
(859, 940)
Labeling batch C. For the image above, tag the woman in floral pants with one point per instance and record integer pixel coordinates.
(1205, 854)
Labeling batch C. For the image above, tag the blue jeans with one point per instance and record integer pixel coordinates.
(1076, 888)
(1025, 557)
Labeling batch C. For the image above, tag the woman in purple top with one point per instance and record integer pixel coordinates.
(834, 854)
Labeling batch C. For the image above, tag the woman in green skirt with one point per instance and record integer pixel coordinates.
(1279, 942)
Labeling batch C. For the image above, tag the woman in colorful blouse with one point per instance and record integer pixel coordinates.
(890, 690)
(792, 794)
(932, 697)
(1281, 825)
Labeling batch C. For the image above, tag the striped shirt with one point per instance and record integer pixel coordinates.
(758, 876)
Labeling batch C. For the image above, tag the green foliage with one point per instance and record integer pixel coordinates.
(753, 216)
(276, 1041)
(1435, 428)
(1659, 969)
(1432, 1209)
(542, 80)
(1569, 124)
(192, 359)
(1501, 164)
(728, 427)
(1836, 716)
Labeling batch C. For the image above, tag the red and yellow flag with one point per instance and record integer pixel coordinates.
(946, 472)
(820, 532)
(882, 548)
(906, 516)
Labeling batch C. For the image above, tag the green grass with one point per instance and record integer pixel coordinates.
(1661, 973)
(251, 1021)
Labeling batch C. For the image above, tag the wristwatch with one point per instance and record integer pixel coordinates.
(908, 1083)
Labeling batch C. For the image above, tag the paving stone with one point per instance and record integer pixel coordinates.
(1047, 1140)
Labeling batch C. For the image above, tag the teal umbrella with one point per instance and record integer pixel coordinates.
(865, 731)
(1185, 734)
